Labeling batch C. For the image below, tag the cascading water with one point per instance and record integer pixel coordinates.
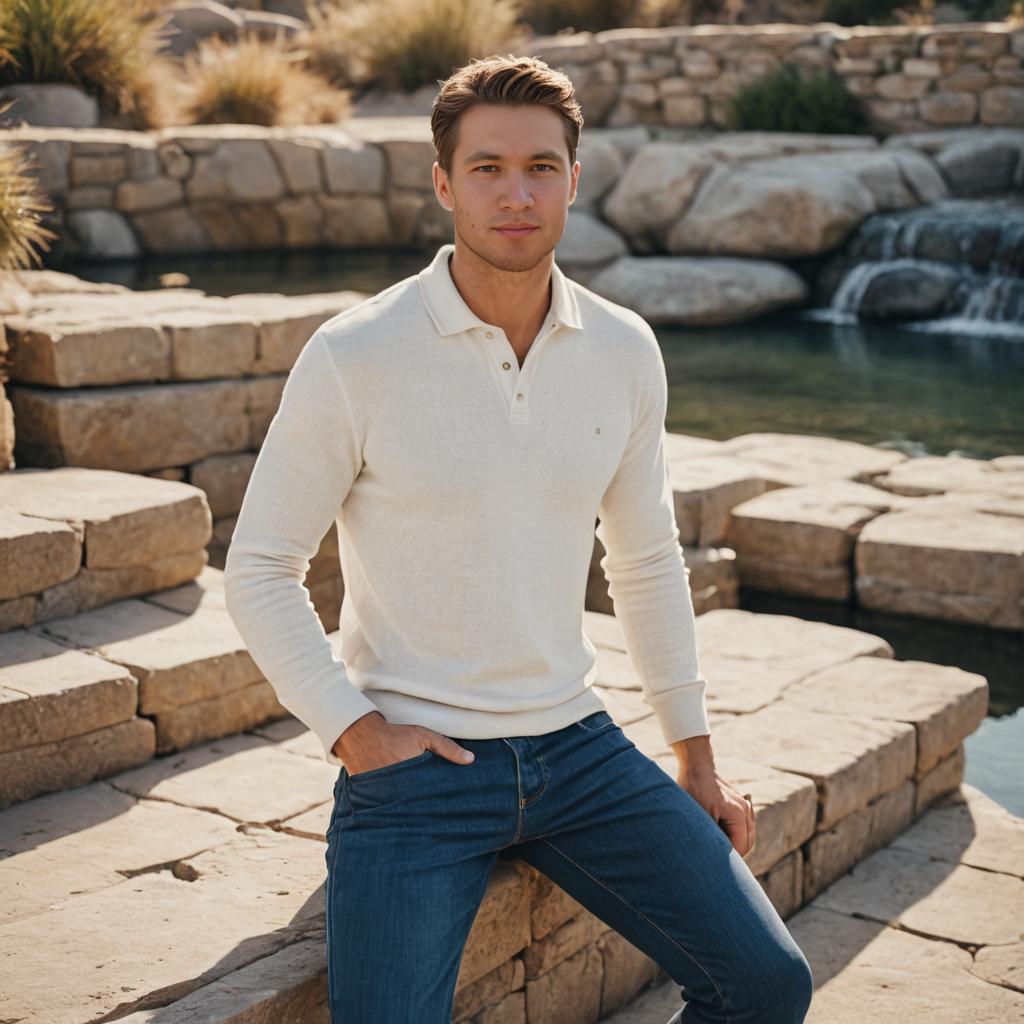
(953, 266)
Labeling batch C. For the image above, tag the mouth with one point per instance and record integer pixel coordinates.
(516, 232)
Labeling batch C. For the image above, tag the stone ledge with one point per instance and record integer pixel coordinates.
(73, 539)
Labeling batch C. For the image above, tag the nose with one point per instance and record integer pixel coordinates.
(518, 194)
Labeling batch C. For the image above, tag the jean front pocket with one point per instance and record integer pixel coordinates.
(597, 722)
(388, 769)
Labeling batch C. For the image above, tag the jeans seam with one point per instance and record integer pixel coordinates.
(644, 917)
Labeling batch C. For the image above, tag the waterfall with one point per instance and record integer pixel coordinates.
(955, 266)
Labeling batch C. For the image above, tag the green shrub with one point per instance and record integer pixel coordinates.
(21, 205)
(108, 48)
(404, 44)
(860, 12)
(256, 82)
(546, 17)
(790, 99)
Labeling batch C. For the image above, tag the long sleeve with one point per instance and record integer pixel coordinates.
(308, 461)
(648, 579)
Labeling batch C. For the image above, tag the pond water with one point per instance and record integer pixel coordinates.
(912, 390)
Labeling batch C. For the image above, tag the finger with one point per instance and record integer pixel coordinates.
(734, 823)
(751, 820)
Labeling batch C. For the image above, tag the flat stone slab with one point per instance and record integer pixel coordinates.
(243, 778)
(940, 559)
(178, 659)
(938, 474)
(70, 340)
(800, 540)
(36, 553)
(138, 427)
(931, 897)
(851, 760)
(866, 971)
(753, 657)
(944, 704)
(707, 488)
(797, 459)
(968, 827)
(94, 837)
(123, 519)
(49, 692)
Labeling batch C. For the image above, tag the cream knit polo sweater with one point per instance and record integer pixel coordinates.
(465, 491)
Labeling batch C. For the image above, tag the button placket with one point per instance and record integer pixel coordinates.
(513, 379)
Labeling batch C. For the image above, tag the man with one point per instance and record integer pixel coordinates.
(465, 428)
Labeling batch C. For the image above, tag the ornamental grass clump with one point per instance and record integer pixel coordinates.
(405, 44)
(107, 48)
(257, 81)
(22, 204)
(791, 99)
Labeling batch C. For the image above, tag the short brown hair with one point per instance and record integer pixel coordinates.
(502, 80)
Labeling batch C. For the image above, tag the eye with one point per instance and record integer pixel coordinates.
(483, 167)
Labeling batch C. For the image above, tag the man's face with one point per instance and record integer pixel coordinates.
(510, 166)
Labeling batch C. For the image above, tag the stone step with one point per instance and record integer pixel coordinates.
(73, 539)
(956, 554)
(111, 877)
(74, 340)
(927, 928)
(93, 693)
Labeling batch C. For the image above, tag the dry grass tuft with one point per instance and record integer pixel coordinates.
(404, 44)
(21, 206)
(257, 82)
(108, 48)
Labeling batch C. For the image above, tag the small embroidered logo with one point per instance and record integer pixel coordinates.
(597, 430)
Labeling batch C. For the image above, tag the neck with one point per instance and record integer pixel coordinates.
(517, 301)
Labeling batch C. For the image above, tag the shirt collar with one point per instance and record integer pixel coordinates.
(451, 315)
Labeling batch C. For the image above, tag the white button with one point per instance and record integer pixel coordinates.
(520, 396)
(506, 366)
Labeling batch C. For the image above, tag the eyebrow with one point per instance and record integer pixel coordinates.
(547, 154)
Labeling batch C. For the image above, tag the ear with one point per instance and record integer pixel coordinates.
(574, 182)
(441, 189)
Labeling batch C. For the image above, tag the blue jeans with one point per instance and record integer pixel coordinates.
(411, 845)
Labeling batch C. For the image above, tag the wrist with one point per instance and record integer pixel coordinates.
(694, 753)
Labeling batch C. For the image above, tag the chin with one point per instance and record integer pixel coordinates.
(518, 253)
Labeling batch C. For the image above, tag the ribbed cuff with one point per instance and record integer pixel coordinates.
(329, 709)
(683, 712)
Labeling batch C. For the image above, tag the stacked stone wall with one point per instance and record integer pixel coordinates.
(908, 77)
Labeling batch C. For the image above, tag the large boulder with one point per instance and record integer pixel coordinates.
(588, 242)
(655, 190)
(709, 290)
(49, 104)
(190, 21)
(781, 208)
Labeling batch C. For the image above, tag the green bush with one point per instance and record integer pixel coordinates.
(404, 44)
(546, 17)
(108, 48)
(21, 205)
(789, 99)
(860, 12)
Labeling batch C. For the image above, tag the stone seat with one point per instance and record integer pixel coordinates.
(72, 539)
(71, 340)
(800, 540)
(111, 877)
(87, 695)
